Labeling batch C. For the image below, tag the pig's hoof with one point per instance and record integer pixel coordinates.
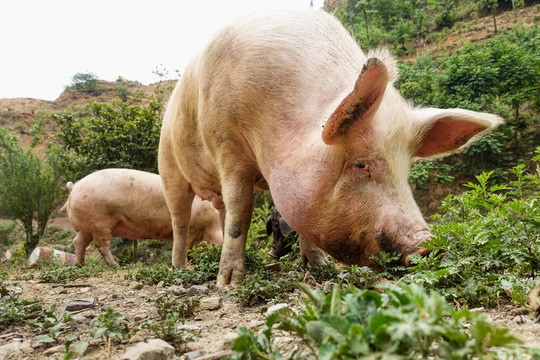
(229, 277)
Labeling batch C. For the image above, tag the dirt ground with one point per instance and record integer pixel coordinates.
(216, 326)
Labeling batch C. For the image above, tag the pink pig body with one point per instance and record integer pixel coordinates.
(287, 101)
(130, 204)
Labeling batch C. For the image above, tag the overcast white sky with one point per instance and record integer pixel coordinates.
(45, 42)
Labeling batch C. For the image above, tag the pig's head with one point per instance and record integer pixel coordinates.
(353, 197)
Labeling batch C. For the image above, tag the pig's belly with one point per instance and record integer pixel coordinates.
(137, 232)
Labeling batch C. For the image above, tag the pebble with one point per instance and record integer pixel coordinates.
(54, 350)
(196, 290)
(210, 303)
(520, 319)
(192, 355)
(85, 289)
(137, 286)
(520, 311)
(155, 349)
(75, 305)
(272, 309)
(189, 327)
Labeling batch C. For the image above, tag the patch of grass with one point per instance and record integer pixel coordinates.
(206, 265)
(263, 286)
(59, 274)
(15, 310)
(402, 322)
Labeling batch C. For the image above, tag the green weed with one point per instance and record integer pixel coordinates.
(486, 241)
(403, 322)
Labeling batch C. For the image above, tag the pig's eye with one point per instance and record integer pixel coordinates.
(361, 165)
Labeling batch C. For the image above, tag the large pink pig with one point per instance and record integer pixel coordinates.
(287, 101)
(130, 204)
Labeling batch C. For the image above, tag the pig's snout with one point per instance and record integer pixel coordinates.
(417, 239)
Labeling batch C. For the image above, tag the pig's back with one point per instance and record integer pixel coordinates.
(114, 193)
(265, 81)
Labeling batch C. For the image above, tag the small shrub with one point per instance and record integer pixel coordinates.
(168, 331)
(404, 322)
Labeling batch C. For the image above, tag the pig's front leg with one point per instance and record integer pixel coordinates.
(311, 253)
(238, 199)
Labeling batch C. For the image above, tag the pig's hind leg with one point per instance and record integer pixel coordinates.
(179, 197)
(103, 243)
(81, 241)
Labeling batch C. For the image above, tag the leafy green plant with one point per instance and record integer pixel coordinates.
(184, 307)
(29, 190)
(119, 134)
(15, 310)
(58, 274)
(403, 322)
(51, 323)
(168, 329)
(484, 239)
(262, 286)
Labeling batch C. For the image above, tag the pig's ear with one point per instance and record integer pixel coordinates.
(359, 106)
(285, 229)
(443, 131)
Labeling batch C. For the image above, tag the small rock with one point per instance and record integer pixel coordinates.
(162, 292)
(228, 339)
(153, 349)
(160, 284)
(189, 327)
(179, 290)
(217, 355)
(78, 318)
(75, 305)
(210, 303)
(520, 311)
(137, 286)
(115, 296)
(478, 309)
(12, 350)
(520, 319)
(54, 350)
(138, 318)
(192, 355)
(196, 290)
(8, 255)
(130, 293)
(61, 290)
(272, 309)
(101, 297)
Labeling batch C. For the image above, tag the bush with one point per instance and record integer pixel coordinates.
(485, 239)
(29, 190)
(118, 135)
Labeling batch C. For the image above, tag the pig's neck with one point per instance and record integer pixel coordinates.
(298, 181)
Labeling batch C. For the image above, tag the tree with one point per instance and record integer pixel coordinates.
(84, 82)
(29, 190)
